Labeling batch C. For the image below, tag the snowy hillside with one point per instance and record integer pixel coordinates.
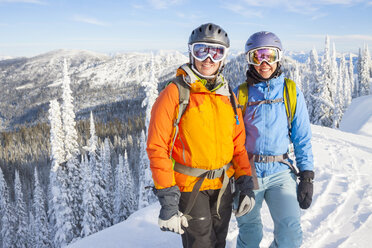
(359, 109)
(341, 213)
(28, 84)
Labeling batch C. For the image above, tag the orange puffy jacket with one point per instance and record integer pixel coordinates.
(208, 137)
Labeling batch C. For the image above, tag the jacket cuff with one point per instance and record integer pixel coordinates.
(245, 184)
(169, 199)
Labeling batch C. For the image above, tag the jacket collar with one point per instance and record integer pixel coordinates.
(196, 84)
(273, 82)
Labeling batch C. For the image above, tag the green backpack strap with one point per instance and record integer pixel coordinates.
(233, 104)
(184, 96)
(243, 96)
(290, 100)
(289, 94)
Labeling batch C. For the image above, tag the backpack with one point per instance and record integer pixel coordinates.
(290, 99)
(184, 96)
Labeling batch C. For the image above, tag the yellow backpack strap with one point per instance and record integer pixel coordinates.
(243, 96)
(290, 99)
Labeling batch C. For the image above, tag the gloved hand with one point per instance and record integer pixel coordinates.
(174, 224)
(170, 219)
(305, 189)
(246, 202)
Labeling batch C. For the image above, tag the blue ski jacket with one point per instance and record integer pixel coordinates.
(266, 128)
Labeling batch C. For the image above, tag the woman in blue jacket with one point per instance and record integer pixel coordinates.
(269, 134)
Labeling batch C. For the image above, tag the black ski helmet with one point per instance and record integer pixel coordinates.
(210, 33)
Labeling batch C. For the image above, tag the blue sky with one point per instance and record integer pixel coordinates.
(31, 27)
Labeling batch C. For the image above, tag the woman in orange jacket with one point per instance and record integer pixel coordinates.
(197, 145)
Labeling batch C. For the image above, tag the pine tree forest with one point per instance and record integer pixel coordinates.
(66, 179)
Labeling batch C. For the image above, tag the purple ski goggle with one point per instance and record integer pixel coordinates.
(270, 55)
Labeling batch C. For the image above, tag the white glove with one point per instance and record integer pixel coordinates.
(174, 224)
(246, 204)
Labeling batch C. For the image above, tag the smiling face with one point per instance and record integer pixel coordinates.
(207, 67)
(266, 70)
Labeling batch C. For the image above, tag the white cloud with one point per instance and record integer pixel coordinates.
(350, 37)
(163, 4)
(318, 16)
(88, 20)
(242, 10)
(306, 7)
(137, 6)
(24, 1)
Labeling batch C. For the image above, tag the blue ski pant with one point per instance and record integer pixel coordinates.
(279, 190)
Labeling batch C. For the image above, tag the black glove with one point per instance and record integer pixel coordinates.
(246, 203)
(305, 189)
(170, 219)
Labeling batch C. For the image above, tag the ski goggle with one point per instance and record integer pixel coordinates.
(201, 51)
(268, 54)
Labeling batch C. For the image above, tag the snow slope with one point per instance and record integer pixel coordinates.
(360, 109)
(340, 216)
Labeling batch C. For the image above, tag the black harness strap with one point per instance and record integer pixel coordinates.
(202, 174)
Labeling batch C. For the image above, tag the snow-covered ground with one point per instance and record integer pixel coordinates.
(341, 213)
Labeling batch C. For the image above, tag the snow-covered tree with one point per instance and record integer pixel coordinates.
(7, 215)
(342, 92)
(351, 76)
(359, 66)
(119, 200)
(58, 154)
(92, 210)
(63, 215)
(93, 140)
(97, 177)
(22, 220)
(68, 117)
(129, 194)
(108, 179)
(334, 64)
(146, 196)
(31, 231)
(346, 92)
(297, 77)
(313, 84)
(364, 73)
(40, 225)
(335, 87)
(72, 169)
(324, 106)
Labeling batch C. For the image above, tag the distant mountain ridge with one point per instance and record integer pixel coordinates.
(28, 84)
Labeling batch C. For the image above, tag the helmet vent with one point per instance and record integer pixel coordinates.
(219, 30)
(200, 29)
(210, 27)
